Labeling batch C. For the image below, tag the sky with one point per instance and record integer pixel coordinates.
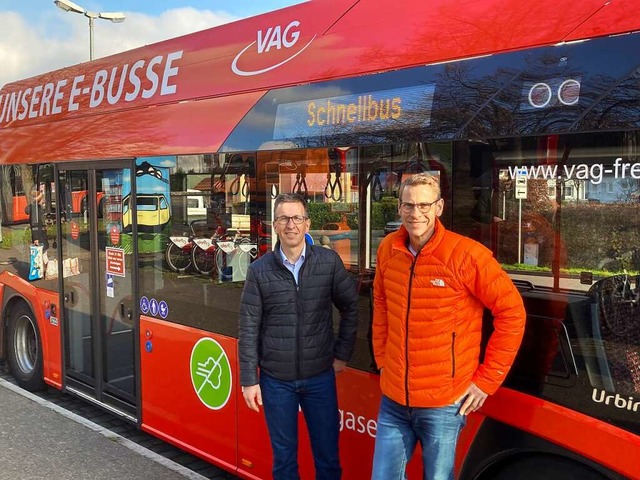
(37, 36)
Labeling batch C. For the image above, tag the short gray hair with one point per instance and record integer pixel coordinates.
(291, 198)
(420, 179)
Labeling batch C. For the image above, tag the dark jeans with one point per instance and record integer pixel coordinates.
(318, 399)
(400, 428)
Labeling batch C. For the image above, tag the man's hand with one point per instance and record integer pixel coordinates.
(473, 399)
(339, 365)
(253, 396)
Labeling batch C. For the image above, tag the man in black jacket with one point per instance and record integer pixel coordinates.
(286, 329)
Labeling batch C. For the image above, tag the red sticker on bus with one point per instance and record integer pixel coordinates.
(75, 230)
(114, 233)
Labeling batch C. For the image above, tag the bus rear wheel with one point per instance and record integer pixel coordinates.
(543, 467)
(24, 352)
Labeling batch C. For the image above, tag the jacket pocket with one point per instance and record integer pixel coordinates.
(453, 354)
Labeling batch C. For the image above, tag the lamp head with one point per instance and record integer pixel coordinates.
(115, 17)
(69, 6)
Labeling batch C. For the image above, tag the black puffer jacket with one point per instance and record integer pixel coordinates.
(288, 330)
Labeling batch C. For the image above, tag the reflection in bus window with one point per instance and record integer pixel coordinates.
(562, 218)
(384, 168)
(153, 212)
(617, 335)
(196, 240)
(28, 235)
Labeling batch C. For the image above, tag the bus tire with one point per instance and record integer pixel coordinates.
(542, 467)
(101, 208)
(24, 349)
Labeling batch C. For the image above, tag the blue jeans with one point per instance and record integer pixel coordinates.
(318, 399)
(400, 428)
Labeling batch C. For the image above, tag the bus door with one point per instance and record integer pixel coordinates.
(98, 284)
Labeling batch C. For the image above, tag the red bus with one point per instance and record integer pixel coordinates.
(531, 119)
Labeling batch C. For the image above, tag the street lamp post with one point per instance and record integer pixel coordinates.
(69, 6)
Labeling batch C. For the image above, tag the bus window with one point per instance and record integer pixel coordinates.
(560, 214)
(12, 190)
(383, 170)
(538, 233)
(330, 179)
(27, 247)
(193, 215)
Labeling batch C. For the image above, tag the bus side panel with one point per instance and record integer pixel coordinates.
(593, 439)
(620, 14)
(45, 306)
(47, 313)
(358, 400)
(465, 440)
(99, 198)
(76, 200)
(171, 406)
(19, 205)
(254, 448)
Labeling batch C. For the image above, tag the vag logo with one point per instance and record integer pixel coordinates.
(275, 37)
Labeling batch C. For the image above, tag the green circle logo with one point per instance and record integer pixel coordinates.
(210, 373)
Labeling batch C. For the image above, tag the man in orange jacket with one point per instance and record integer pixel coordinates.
(430, 290)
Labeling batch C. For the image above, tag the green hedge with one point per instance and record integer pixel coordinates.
(594, 232)
(382, 211)
(592, 236)
(321, 213)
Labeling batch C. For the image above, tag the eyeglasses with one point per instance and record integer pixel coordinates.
(407, 207)
(284, 219)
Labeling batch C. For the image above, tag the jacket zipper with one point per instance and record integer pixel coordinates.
(453, 354)
(406, 337)
(298, 335)
(298, 329)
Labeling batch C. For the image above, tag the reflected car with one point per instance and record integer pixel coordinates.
(196, 204)
(392, 226)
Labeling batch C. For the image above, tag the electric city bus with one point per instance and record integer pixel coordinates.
(529, 115)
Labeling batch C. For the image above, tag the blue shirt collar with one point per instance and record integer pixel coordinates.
(300, 260)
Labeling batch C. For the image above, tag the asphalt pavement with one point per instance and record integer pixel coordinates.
(39, 439)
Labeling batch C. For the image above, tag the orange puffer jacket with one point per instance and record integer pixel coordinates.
(427, 322)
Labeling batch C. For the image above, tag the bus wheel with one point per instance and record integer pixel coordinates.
(101, 208)
(547, 467)
(24, 351)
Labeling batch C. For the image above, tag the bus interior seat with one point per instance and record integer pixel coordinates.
(615, 332)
